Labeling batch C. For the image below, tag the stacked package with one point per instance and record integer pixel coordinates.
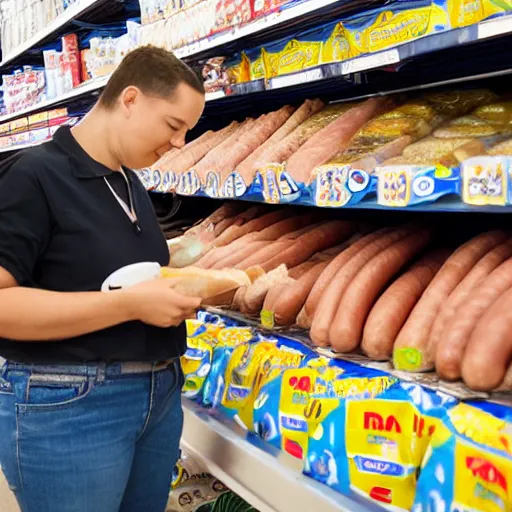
(355, 429)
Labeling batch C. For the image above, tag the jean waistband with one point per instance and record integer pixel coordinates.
(97, 369)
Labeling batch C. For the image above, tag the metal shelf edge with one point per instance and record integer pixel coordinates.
(271, 481)
(61, 20)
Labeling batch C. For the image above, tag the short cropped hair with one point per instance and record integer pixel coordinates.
(153, 70)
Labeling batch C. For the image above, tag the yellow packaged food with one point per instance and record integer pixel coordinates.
(500, 113)
(463, 13)
(338, 46)
(467, 127)
(389, 27)
(381, 130)
(256, 63)
(454, 104)
(432, 150)
(374, 442)
(503, 148)
(249, 368)
(298, 55)
(270, 63)
(240, 72)
(196, 362)
(418, 109)
(468, 465)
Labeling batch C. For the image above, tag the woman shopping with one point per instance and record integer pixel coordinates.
(90, 411)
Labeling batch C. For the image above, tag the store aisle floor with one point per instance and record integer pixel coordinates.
(7, 501)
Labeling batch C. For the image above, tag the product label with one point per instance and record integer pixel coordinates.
(277, 185)
(485, 180)
(398, 29)
(385, 448)
(394, 186)
(212, 184)
(482, 481)
(189, 183)
(331, 190)
(234, 186)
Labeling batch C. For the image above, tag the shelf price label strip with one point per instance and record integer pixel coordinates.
(377, 60)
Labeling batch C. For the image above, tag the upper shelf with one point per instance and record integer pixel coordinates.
(329, 74)
(263, 24)
(71, 13)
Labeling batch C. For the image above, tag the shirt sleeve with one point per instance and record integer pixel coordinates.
(25, 220)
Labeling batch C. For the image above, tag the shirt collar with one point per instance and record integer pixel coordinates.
(84, 165)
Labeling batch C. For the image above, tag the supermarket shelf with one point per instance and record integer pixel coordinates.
(66, 17)
(212, 96)
(261, 24)
(270, 480)
(325, 79)
(89, 87)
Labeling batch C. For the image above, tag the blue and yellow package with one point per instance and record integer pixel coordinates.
(290, 410)
(196, 362)
(338, 46)
(374, 446)
(463, 13)
(400, 22)
(228, 338)
(468, 464)
(257, 69)
(239, 69)
(249, 368)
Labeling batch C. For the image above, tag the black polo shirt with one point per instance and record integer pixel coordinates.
(62, 229)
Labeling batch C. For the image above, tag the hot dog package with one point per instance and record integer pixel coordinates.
(468, 464)
(210, 343)
(197, 360)
(251, 366)
(207, 283)
(291, 409)
(374, 442)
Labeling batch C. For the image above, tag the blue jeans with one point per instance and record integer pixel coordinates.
(88, 439)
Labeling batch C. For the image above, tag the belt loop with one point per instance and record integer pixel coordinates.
(100, 372)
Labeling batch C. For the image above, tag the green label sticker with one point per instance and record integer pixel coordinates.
(408, 359)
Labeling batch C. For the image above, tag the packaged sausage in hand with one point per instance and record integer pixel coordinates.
(207, 283)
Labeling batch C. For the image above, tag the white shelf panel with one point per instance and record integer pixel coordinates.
(497, 27)
(270, 480)
(68, 15)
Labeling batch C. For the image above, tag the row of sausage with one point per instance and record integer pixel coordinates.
(441, 128)
(397, 293)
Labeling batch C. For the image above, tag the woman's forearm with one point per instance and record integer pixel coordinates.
(28, 314)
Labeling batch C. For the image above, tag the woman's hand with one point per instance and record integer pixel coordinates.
(156, 303)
